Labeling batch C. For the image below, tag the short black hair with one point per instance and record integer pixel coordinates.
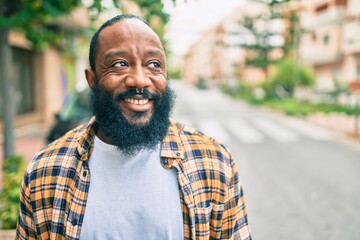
(94, 44)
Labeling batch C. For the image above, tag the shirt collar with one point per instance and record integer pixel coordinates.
(171, 146)
(86, 139)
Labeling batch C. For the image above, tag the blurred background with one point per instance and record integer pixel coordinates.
(276, 81)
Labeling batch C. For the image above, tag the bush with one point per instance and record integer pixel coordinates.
(283, 82)
(13, 171)
(174, 73)
(201, 83)
(293, 107)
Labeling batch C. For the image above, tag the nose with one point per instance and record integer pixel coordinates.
(137, 78)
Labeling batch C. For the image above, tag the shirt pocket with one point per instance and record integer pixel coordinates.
(208, 222)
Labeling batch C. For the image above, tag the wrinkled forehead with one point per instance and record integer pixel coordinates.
(128, 31)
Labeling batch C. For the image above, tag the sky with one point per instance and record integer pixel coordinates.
(188, 19)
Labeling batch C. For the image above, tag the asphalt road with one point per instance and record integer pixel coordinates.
(301, 182)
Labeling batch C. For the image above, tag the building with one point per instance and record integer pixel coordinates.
(330, 42)
(219, 56)
(204, 59)
(42, 79)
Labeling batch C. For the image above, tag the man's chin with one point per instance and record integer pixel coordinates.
(138, 119)
(130, 130)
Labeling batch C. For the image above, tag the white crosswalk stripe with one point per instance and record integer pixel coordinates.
(214, 129)
(307, 129)
(253, 131)
(275, 130)
(244, 132)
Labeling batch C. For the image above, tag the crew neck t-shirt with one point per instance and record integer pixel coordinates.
(131, 197)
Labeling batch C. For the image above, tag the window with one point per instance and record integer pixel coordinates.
(313, 37)
(340, 2)
(358, 67)
(326, 39)
(23, 80)
(321, 7)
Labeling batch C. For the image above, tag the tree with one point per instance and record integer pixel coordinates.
(283, 83)
(37, 19)
(261, 44)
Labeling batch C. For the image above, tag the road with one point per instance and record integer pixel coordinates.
(301, 182)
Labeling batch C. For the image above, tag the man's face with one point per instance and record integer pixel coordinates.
(130, 56)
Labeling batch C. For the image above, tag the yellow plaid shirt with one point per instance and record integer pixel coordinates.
(55, 186)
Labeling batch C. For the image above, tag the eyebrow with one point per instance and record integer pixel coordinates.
(120, 53)
(115, 53)
(154, 52)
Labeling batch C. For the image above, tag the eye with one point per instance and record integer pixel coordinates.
(154, 64)
(120, 64)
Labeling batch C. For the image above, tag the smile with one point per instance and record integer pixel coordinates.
(137, 101)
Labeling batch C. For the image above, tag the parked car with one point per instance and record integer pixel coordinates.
(75, 111)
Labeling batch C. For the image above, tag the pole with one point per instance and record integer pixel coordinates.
(7, 94)
(357, 113)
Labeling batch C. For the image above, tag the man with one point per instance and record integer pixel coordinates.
(132, 172)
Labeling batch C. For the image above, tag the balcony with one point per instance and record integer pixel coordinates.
(315, 56)
(332, 16)
(351, 37)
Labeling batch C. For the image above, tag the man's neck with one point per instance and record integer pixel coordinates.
(102, 137)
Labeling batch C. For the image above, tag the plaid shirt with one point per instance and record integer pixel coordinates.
(56, 183)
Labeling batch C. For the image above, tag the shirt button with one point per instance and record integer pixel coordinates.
(74, 222)
(84, 173)
(178, 154)
(165, 161)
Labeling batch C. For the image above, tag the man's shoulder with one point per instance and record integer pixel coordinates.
(204, 157)
(60, 152)
(198, 144)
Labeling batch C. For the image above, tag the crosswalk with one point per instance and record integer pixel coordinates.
(259, 130)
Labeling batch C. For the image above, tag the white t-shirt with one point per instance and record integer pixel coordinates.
(131, 197)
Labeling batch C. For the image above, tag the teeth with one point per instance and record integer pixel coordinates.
(137, 101)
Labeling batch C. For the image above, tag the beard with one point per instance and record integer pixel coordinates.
(131, 137)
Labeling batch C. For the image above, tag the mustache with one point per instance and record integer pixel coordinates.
(132, 92)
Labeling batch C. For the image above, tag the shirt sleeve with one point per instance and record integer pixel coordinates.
(234, 221)
(25, 227)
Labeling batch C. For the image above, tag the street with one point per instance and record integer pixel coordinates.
(301, 182)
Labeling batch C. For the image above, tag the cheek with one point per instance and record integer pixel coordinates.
(112, 83)
(160, 84)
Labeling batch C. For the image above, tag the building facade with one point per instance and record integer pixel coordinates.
(42, 79)
(219, 56)
(330, 43)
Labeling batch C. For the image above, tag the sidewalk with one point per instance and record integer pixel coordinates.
(339, 123)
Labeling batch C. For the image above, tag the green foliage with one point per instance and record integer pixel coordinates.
(261, 47)
(290, 106)
(37, 18)
(293, 107)
(201, 83)
(271, 3)
(153, 12)
(244, 90)
(293, 34)
(174, 73)
(153, 8)
(13, 171)
(288, 75)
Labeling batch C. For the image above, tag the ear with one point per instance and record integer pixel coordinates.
(90, 77)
